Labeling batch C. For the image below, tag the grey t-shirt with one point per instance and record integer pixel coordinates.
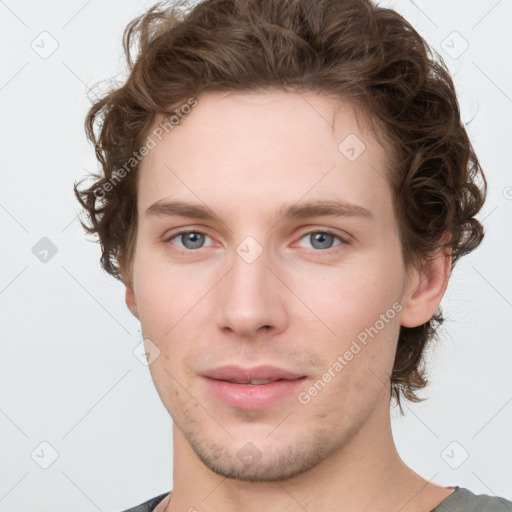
(461, 500)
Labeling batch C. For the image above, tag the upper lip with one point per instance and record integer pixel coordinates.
(234, 373)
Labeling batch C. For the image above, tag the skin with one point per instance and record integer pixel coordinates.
(243, 156)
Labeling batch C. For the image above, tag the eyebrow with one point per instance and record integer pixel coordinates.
(325, 208)
(319, 208)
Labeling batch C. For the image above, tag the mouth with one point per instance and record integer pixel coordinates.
(254, 382)
(256, 375)
(252, 388)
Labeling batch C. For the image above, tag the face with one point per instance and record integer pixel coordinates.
(267, 238)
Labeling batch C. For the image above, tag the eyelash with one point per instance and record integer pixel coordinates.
(315, 251)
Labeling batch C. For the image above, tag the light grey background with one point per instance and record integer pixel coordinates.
(68, 375)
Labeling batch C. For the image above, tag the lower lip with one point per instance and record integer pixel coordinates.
(252, 397)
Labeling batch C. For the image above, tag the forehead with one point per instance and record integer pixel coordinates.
(233, 118)
(273, 146)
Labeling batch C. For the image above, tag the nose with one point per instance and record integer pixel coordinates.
(251, 298)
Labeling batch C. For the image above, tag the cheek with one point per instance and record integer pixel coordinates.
(351, 298)
(164, 295)
(362, 308)
(354, 380)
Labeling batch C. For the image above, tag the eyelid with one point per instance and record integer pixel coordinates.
(330, 231)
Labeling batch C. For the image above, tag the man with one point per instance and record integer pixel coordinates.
(287, 186)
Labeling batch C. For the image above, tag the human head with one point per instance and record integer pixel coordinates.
(363, 54)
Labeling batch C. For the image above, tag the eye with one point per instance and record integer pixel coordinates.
(322, 241)
(186, 241)
(190, 240)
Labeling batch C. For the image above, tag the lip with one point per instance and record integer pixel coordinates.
(252, 397)
(249, 397)
(239, 374)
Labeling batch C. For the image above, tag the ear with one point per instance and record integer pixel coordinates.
(126, 272)
(130, 300)
(425, 287)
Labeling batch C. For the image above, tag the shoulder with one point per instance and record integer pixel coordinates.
(463, 500)
(149, 505)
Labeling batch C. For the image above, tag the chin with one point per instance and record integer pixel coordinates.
(269, 464)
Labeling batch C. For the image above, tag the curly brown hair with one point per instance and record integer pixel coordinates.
(352, 49)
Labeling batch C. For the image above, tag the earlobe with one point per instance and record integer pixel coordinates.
(426, 289)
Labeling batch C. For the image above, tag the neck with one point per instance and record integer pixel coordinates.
(365, 472)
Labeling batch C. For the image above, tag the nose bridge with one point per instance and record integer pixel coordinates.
(250, 297)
